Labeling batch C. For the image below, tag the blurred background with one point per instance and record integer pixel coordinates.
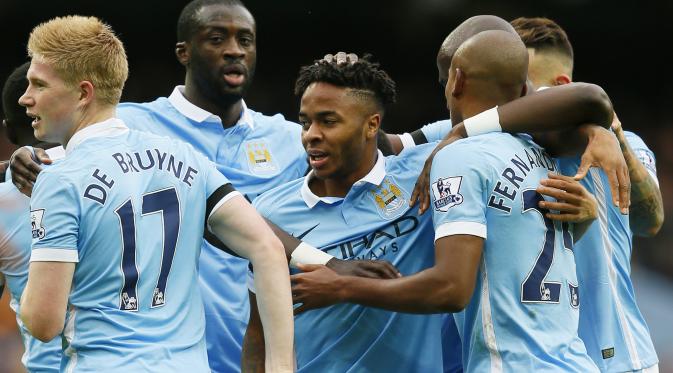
(625, 47)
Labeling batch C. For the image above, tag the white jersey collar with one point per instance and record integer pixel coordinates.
(106, 128)
(195, 113)
(375, 177)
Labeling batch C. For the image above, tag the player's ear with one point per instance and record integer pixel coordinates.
(562, 79)
(86, 92)
(459, 83)
(373, 124)
(182, 52)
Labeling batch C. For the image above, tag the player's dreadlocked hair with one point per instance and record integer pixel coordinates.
(364, 77)
(188, 21)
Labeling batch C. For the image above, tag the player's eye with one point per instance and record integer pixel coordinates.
(246, 41)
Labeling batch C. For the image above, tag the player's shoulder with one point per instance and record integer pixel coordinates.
(276, 122)
(635, 141)
(410, 158)
(142, 107)
(279, 196)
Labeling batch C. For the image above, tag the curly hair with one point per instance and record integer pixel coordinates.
(363, 77)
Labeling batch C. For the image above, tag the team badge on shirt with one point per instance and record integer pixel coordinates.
(391, 200)
(260, 159)
(36, 223)
(446, 193)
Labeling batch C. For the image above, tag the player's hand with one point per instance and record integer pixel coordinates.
(573, 202)
(364, 268)
(4, 165)
(341, 58)
(421, 193)
(603, 151)
(25, 168)
(316, 287)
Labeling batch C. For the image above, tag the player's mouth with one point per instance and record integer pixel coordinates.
(234, 75)
(317, 158)
(36, 119)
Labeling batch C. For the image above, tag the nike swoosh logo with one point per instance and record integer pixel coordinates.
(307, 232)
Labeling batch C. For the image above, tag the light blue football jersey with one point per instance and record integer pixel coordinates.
(14, 257)
(129, 208)
(259, 153)
(524, 313)
(436, 131)
(15, 241)
(611, 325)
(373, 221)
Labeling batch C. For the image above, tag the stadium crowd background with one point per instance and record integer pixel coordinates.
(625, 47)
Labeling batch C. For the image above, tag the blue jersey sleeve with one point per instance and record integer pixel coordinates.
(436, 131)
(54, 218)
(644, 154)
(458, 190)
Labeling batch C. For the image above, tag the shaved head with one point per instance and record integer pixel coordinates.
(471, 27)
(488, 69)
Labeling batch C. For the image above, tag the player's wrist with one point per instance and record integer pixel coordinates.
(307, 254)
(485, 122)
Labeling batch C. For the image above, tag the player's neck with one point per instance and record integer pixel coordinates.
(92, 115)
(338, 186)
(228, 111)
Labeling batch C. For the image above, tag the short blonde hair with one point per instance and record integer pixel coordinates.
(82, 48)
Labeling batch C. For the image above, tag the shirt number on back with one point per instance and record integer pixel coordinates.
(163, 201)
(534, 288)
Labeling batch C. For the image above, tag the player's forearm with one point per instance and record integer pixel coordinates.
(428, 291)
(274, 302)
(646, 213)
(558, 108)
(252, 357)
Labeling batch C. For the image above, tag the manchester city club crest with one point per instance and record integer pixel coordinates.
(260, 159)
(36, 224)
(445, 192)
(391, 200)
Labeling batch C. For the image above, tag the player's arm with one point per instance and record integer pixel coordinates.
(252, 358)
(445, 287)
(240, 227)
(55, 225)
(555, 109)
(299, 252)
(45, 299)
(646, 214)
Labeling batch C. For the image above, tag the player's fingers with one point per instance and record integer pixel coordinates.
(566, 183)
(560, 206)
(414, 195)
(557, 194)
(624, 191)
(301, 309)
(562, 217)
(23, 165)
(392, 272)
(613, 180)
(329, 57)
(583, 169)
(42, 156)
(352, 58)
(341, 58)
(384, 269)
